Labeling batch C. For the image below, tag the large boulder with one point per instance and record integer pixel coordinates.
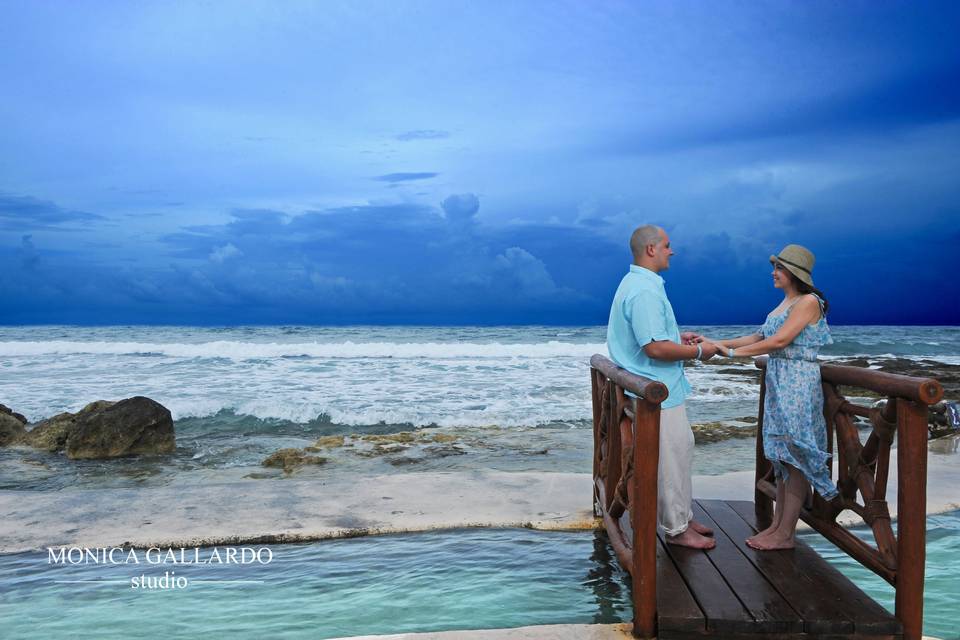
(12, 431)
(133, 426)
(10, 412)
(51, 434)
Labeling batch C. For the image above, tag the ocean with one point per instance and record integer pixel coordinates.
(505, 398)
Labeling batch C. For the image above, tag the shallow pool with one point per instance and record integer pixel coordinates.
(941, 592)
(473, 578)
(462, 579)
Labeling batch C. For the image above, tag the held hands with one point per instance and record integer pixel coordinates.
(709, 350)
(689, 337)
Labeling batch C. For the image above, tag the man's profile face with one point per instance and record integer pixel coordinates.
(662, 252)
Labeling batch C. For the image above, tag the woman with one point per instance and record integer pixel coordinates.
(794, 430)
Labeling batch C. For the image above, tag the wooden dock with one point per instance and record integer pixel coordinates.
(739, 593)
(735, 591)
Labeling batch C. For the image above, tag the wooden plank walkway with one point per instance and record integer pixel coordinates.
(735, 592)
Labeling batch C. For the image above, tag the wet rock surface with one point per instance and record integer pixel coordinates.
(102, 429)
(946, 374)
(708, 432)
(51, 434)
(12, 431)
(397, 449)
(291, 459)
(134, 426)
(4, 409)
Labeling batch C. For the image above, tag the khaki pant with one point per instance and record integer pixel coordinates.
(674, 484)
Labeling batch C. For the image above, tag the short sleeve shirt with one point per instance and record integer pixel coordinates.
(641, 314)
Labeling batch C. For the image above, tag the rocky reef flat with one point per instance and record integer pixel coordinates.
(301, 510)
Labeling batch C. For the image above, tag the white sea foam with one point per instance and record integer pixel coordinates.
(236, 350)
(422, 376)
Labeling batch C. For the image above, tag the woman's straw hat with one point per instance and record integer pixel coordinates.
(797, 260)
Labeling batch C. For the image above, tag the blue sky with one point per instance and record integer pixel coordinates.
(472, 162)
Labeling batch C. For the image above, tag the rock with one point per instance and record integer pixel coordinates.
(327, 442)
(400, 437)
(51, 434)
(12, 431)
(290, 459)
(717, 431)
(947, 424)
(943, 418)
(133, 426)
(952, 411)
(10, 412)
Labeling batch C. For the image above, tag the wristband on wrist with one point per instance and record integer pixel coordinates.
(730, 352)
(699, 351)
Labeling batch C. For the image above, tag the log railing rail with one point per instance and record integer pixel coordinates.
(626, 427)
(626, 435)
(898, 557)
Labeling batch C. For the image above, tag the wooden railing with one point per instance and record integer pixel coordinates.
(899, 556)
(626, 453)
(626, 456)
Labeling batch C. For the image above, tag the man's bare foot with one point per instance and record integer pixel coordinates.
(702, 529)
(692, 539)
(771, 542)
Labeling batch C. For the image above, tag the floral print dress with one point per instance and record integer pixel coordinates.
(794, 429)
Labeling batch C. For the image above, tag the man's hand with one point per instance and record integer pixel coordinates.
(689, 337)
(709, 350)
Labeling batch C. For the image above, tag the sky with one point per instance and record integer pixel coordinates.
(448, 162)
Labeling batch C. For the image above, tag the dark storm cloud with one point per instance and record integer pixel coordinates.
(24, 213)
(406, 177)
(422, 134)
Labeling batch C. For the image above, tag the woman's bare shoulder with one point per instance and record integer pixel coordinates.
(808, 306)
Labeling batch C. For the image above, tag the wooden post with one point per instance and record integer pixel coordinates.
(911, 515)
(614, 446)
(762, 504)
(596, 392)
(643, 517)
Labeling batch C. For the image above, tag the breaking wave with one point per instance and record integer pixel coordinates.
(237, 350)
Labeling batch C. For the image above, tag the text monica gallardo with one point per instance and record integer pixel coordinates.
(158, 556)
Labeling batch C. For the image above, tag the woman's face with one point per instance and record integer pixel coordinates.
(781, 277)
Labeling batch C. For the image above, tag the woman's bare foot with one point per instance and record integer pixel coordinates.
(692, 539)
(763, 534)
(702, 529)
(771, 542)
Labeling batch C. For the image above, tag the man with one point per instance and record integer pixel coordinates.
(643, 338)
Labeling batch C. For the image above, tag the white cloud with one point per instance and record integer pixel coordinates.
(224, 253)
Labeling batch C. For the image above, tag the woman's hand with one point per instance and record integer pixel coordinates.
(689, 337)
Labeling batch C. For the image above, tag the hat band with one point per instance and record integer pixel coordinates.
(794, 264)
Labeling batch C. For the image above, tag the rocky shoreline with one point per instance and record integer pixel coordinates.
(102, 429)
(141, 426)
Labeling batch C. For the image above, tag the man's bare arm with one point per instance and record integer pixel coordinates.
(671, 351)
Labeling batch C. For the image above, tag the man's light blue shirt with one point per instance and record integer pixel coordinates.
(641, 314)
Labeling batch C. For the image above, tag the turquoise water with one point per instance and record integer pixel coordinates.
(389, 584)
(941, 592)
(465, 579)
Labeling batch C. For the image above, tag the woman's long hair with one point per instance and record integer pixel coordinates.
(805, 288)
